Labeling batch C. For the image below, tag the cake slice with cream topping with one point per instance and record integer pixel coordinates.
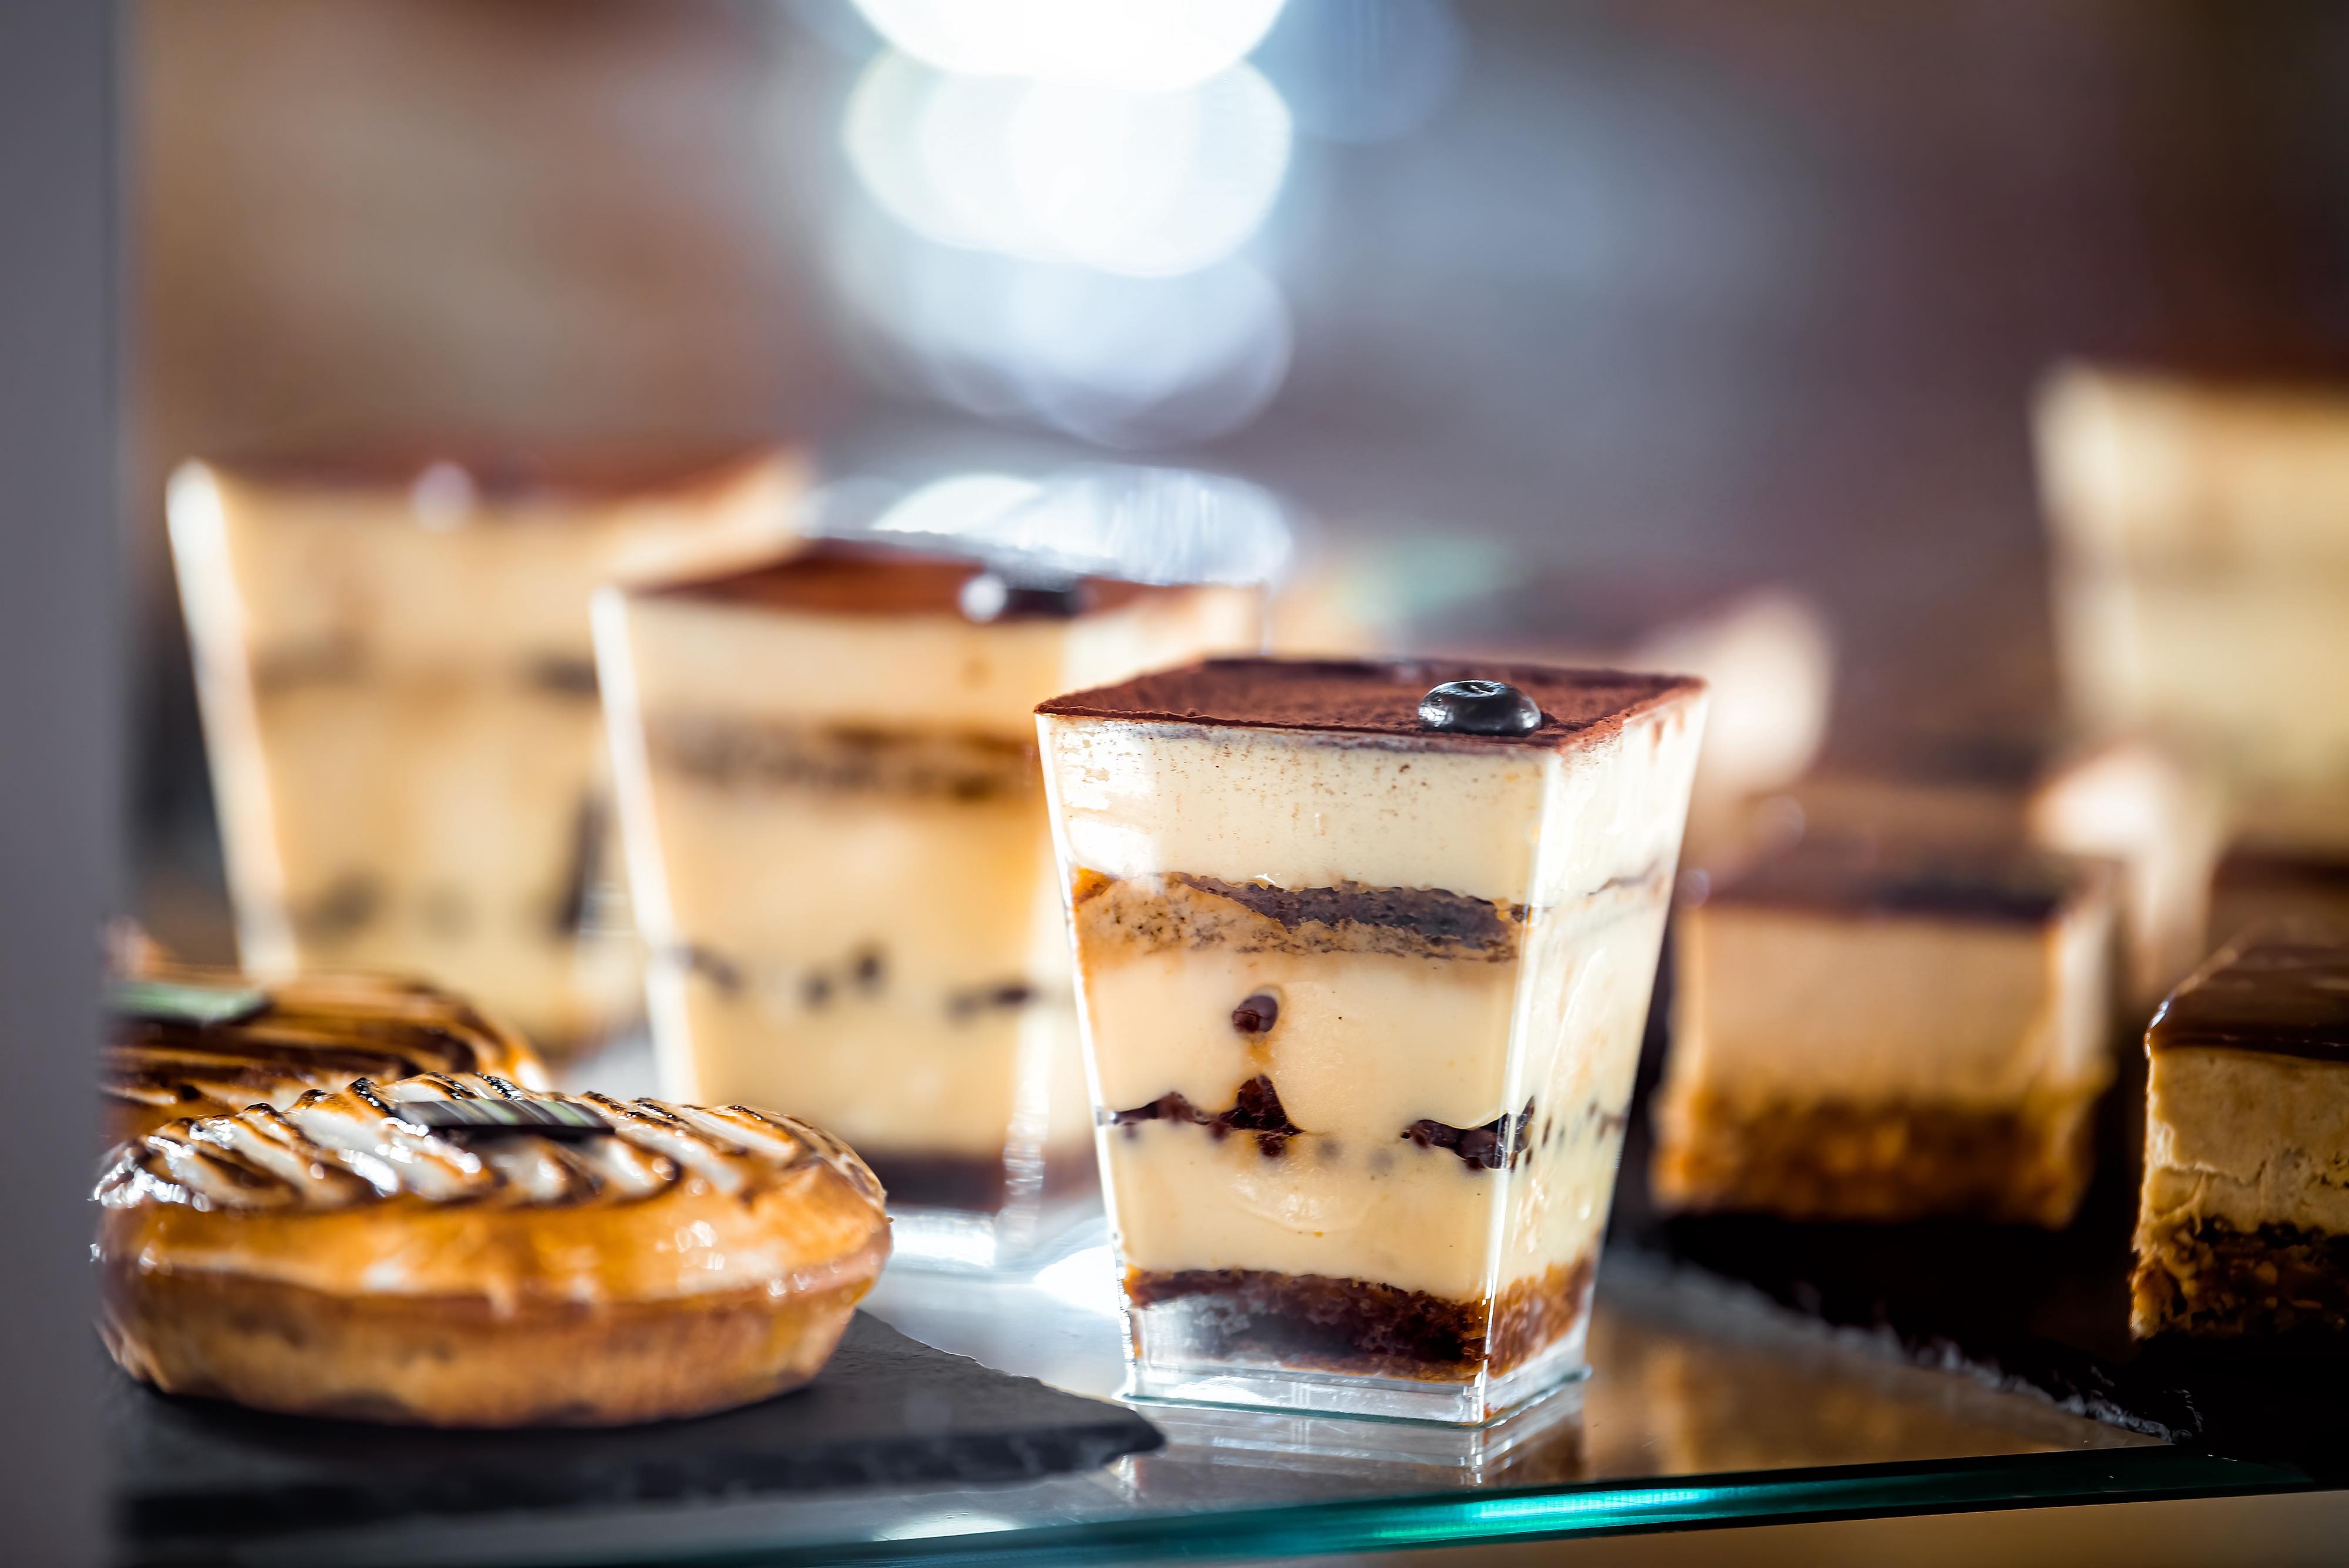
(2243, 1223)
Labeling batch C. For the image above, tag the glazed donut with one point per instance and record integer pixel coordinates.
(166, 1059)
(455, 1250)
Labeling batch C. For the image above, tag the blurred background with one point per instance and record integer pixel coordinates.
(1681, 286)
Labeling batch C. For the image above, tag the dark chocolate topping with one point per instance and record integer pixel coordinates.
(1856, 879)
(2283, 990)
(845, 577)
(2255, 869)
(1372, 698)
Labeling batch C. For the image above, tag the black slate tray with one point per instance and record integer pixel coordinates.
(2026, 1308)
(887, 1411)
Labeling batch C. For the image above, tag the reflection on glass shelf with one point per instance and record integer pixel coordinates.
(1688, 1376)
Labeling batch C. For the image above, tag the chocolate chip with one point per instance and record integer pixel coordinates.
(1257, 1015)
(564, 675)
(868, 969)
(816, 989)
(1255, 1109)
(717, 968)
(1479, 708)
(1011, 993)
(1495, 1142)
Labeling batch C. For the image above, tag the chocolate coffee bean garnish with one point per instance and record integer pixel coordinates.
(1257, 1015)
(997, 596)
(1479, 708)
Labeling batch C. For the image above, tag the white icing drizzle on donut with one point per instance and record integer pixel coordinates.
(337, 1149)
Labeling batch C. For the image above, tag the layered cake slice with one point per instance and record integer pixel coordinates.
(1364, 953)
(2202, 581)
(2131, 801)
(399, 694)
(2243, 1224)
(836, 827)
(1859, 1039)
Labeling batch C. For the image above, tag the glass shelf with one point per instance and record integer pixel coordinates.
(1704, 1406)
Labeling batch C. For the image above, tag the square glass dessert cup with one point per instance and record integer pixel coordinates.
(1362, 996)
(397, 686)
(836, 828)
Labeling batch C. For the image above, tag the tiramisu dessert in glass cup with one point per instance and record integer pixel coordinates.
(837, 831)
(1364, 953)
(399, 691)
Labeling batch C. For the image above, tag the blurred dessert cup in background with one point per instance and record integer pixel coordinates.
(836, 828)
(2201, 540)
(395, 674)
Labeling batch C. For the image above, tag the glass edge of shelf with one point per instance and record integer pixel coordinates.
(1486, 1517)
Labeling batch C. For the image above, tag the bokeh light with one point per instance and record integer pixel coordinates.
(1143, 46)
(1144, 182)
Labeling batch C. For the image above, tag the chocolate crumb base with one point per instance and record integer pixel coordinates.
(2204, 1277)
(976, 1183)
(1314, 1323)
(1185, 912)
(1834, 1160)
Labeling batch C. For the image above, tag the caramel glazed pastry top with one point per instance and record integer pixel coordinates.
(456, 1250)
(194, 1042)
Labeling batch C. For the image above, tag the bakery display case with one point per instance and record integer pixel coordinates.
(996, 782)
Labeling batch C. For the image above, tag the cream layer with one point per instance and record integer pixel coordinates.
(894, 1074)
(1367, 1043)
(2248, 1137)
(1313, 809)
(1416, 1218)
(867, 989)
(1363, 1046)
(1773, 1003)
(908, 672)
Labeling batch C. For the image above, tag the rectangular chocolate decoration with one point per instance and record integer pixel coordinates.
(545, 1118)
